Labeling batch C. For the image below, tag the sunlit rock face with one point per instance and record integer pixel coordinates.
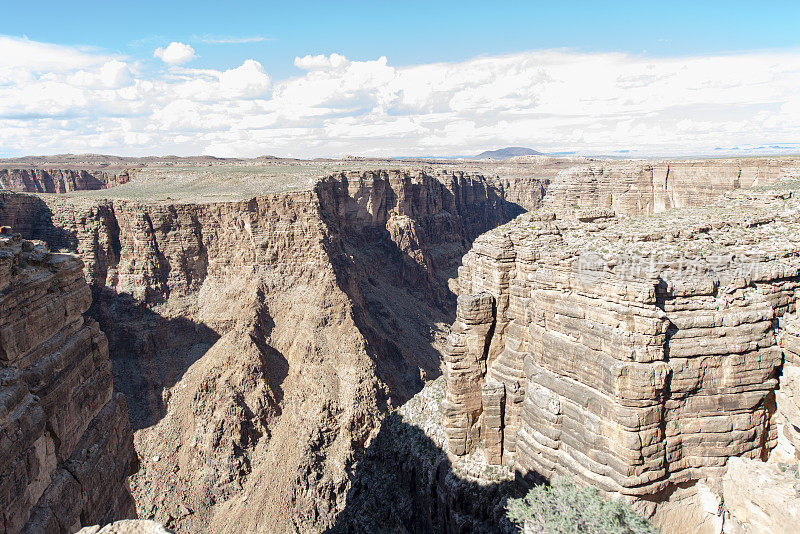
(67, 447)
(261, 341)
(653, 186)
(635, 354)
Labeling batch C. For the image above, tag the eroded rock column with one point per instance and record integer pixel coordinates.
(465, 368)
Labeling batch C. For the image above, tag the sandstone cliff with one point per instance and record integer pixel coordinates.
(652, 187)
(260, 341)
(35, 180)
(637, 354)
(67, 447)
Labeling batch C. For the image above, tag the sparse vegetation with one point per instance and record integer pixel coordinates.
(563, 508)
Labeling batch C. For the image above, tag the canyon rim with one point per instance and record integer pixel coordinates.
(432, 268)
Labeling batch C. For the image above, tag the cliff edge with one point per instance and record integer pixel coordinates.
(66, 448)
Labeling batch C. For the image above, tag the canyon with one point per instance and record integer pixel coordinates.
(261, 335)
(35, 180)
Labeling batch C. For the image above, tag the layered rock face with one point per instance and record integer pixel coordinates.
(524, 191)
(652, 187)
(66, 448)
(59, 180)
(788, 395)
(258, 341)
(636, 354)
(407, 482)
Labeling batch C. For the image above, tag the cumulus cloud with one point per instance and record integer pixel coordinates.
(113, 74)
(175, 53)
(67, 99)
(320, 61)
(246, 81)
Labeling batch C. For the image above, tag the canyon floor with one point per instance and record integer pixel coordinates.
(279, 334)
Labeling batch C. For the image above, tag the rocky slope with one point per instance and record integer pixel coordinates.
(430, 490)
(260, 341)
(66, 447)
(34, 180)
(636, 354)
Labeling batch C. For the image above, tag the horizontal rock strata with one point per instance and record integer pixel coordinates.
(652, 187)
(636, 354)
(259, 341)
(59, 180)
(66, 446)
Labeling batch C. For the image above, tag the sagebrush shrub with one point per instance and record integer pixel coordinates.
(563, 508)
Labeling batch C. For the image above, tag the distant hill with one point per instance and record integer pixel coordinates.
(508, 152)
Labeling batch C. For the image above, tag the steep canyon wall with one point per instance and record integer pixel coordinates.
(59, 180)
(652, 187)
(259, 342)
(636, 354)
(66, 448)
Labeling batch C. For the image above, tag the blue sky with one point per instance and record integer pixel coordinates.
(408, 32)
(105, 76)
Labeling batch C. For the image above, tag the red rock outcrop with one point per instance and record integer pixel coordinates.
(66, 448)
(32, 180)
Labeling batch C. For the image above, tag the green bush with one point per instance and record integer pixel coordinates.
(563, 508)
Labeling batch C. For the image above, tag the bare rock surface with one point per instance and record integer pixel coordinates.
(127, 526)
(635, 354)
(408, 482)
(654, 186)
(261, 332)
(788, 394)
(66, 447)
(760, 498)
(261, 341)
(33, 180)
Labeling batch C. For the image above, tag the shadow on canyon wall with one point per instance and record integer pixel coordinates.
(406, 484)
(31, 216)
(397, 272)
(397, 282)
(149, 352)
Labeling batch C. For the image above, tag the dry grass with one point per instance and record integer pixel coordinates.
(220, 183)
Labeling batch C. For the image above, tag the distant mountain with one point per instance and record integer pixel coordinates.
(508, 152)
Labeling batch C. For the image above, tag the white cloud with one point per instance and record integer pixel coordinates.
(321, 61)
(247, 81)
(175, 53)
(234, 40)
(112, 74)
(59, 99)
(35, 56)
